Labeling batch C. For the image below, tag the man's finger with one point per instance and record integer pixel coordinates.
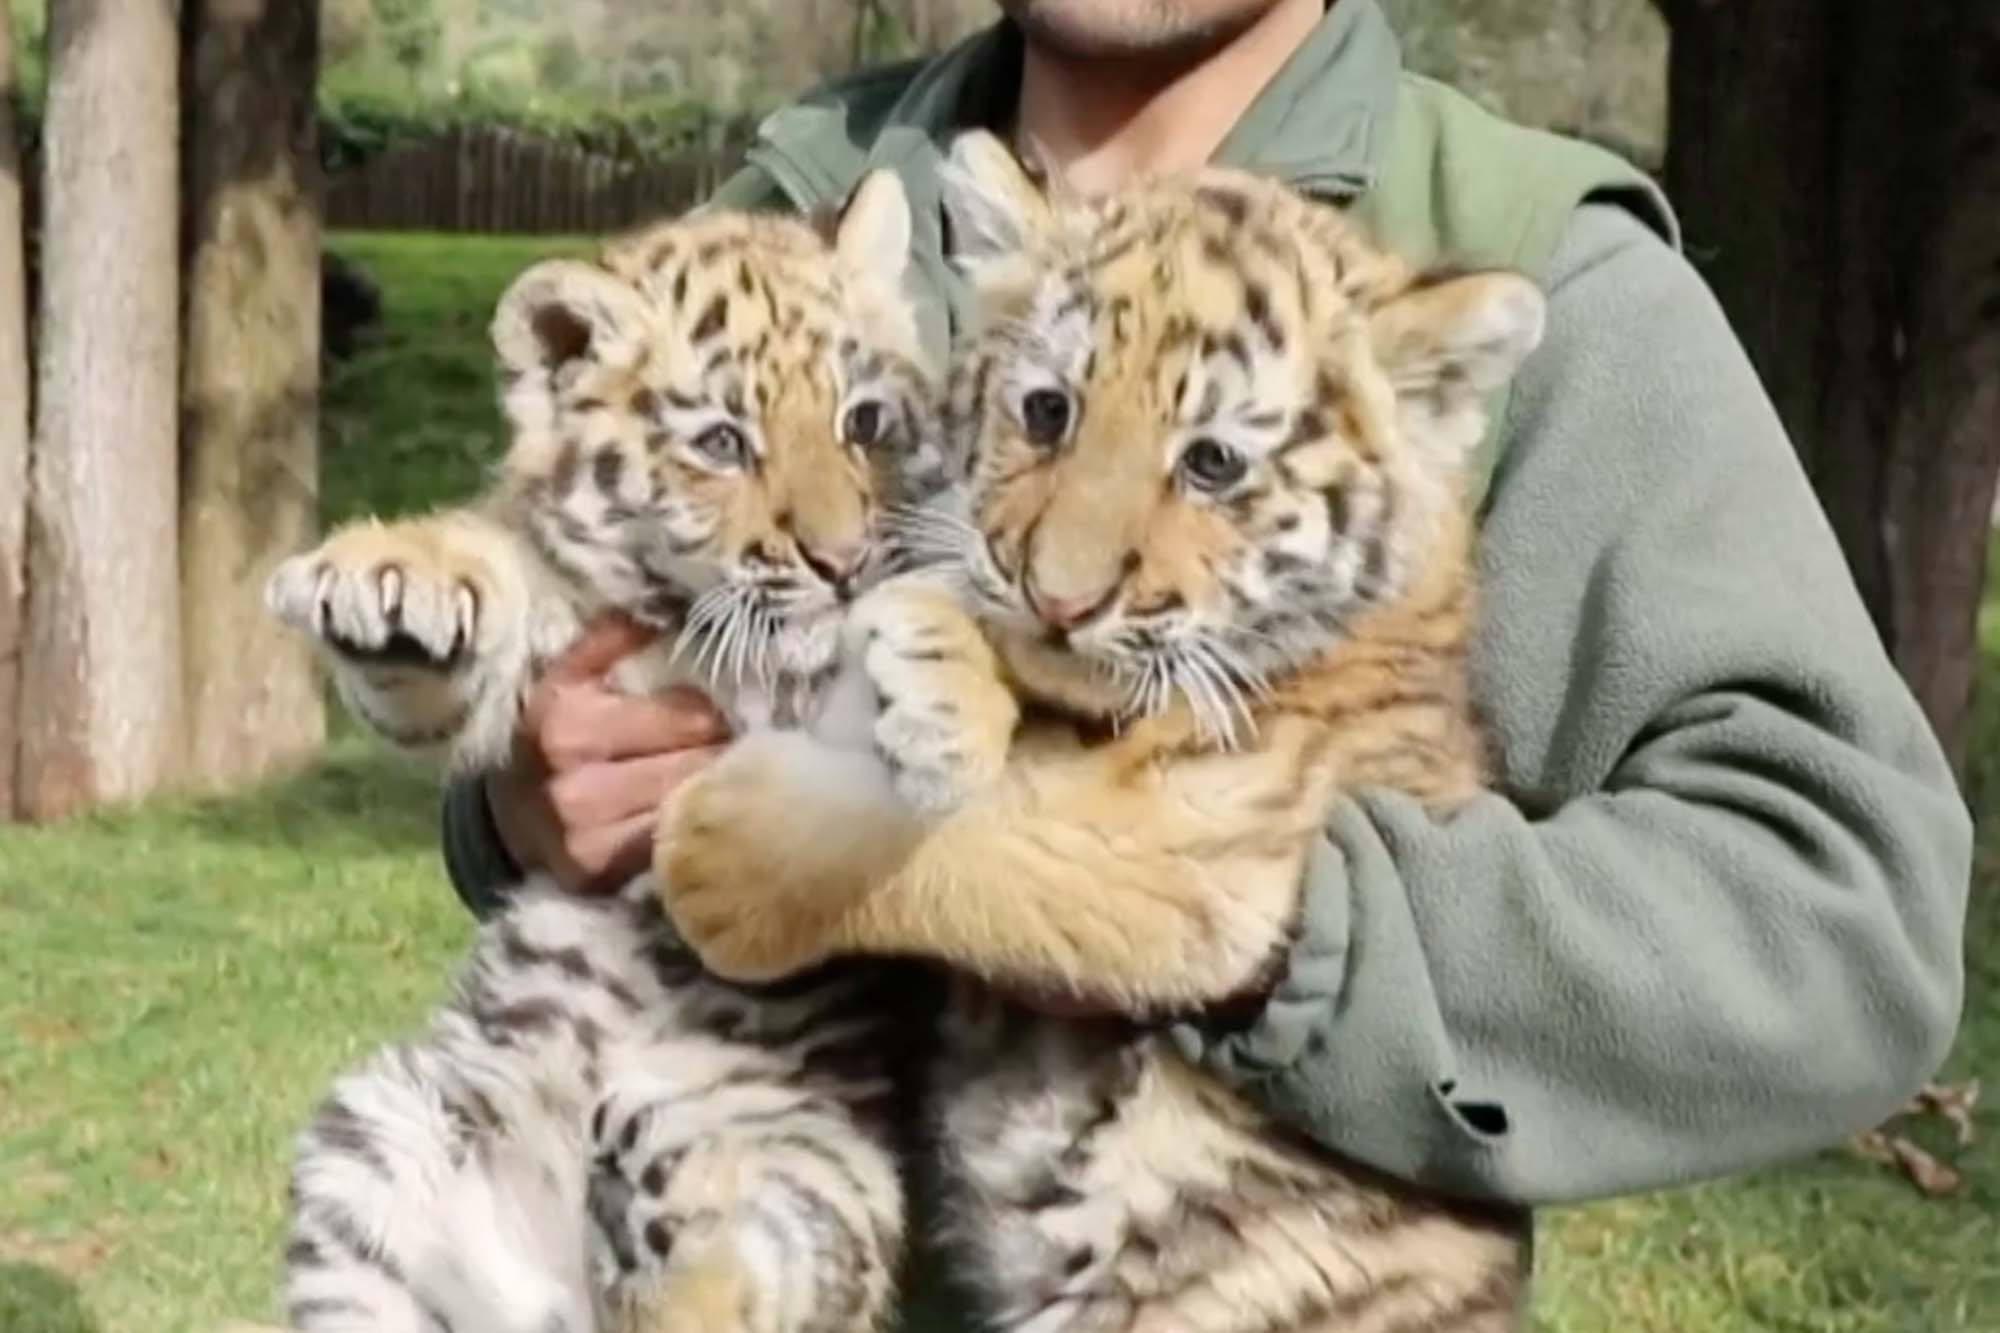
(609, 857)
(598, 795)
(608, 640)
(646, 782)
(680, 719)
(576, 725)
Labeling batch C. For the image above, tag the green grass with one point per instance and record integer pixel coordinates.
(179, 983)
(412, 418)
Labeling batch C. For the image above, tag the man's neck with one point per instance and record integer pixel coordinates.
(1101, 123)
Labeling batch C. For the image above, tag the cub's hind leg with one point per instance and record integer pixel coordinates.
(745, 1201)
(332, 1288)
(415, 1211)
(430, 626)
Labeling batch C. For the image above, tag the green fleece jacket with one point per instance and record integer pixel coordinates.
(1710, 917)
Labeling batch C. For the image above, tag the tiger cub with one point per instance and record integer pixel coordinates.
(708, 424)
(1210, 569)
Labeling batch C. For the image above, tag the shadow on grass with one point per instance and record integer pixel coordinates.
(357, 793)
(34, 1299)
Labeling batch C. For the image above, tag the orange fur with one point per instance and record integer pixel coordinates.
(1153, 868)
(1216, 576)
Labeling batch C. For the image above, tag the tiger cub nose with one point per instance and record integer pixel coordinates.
(1066, 613)
(839, 566)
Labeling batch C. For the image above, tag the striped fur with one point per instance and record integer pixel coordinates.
(1211, 570)
(709, 423)
(594, 1135)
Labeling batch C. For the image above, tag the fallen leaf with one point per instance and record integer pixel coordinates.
(1926, 1172)
(1872, 1147)
(1952, 1103)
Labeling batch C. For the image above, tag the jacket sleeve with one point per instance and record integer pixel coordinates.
(476, 861)
(1711, 917)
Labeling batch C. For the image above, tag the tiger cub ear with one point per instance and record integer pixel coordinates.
(871, 235)
(1446, 342)
(999, 213)
(555, 319)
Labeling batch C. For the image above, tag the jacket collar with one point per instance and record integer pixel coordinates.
(1321, 124)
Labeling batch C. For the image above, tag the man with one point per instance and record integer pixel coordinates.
(1711, 917)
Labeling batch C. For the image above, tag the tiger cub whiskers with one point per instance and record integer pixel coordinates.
(1208, 573)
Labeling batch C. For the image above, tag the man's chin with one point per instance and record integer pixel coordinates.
(1077, 31)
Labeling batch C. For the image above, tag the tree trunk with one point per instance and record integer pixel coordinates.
(13, 422)
(100, 689)
(1837, 164)
(249, 451)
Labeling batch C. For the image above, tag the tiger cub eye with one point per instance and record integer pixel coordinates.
(1045, 414)
(863, 426)
(1213, 466)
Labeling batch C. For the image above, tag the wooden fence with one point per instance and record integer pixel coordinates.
(493, 179)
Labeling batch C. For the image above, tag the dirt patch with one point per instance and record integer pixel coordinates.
(72, 1256)
(36, 1183)
(46, 1032)
(155, 1164)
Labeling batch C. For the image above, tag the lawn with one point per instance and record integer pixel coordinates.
(182, 980)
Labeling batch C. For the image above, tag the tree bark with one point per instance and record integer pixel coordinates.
(100, 691)
(1837, 164)
(250, 387)
(14, 423)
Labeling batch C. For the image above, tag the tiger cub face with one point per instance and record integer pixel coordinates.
(710, 420)
(1203, 427)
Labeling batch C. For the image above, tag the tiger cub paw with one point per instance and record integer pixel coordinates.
(425, 625)
(634, 1155)
(408, 594)
(946, 716)
(659, 1207)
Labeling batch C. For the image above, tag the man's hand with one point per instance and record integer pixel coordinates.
(591, 766)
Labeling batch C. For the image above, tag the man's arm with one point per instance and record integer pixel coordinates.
(480, 865)
(1715, 920)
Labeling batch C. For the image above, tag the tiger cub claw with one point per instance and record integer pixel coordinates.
(379, 594)
(946, 715)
